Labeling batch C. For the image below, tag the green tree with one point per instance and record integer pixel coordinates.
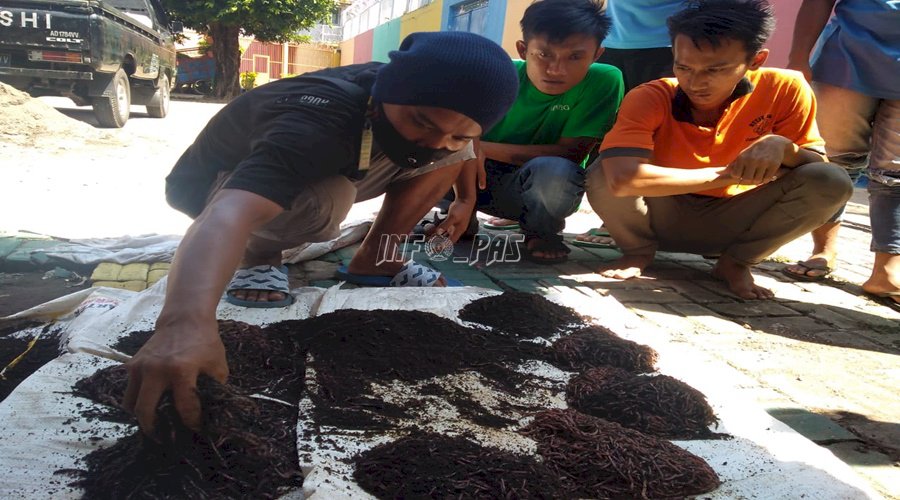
(224, 20)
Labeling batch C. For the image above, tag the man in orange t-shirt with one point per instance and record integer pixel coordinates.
(725, 159)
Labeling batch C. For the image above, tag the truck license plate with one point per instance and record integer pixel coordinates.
(4, 59)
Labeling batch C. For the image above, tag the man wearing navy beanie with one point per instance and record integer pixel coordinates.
(281, 166)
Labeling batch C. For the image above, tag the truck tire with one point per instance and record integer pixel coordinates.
(113, 108)
(158, 107)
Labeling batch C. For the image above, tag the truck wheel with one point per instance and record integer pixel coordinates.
(114, 106)
(158, 107)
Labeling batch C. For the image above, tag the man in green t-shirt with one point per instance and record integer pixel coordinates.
(566, 103)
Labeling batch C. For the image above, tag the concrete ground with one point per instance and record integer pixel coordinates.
(821, 357)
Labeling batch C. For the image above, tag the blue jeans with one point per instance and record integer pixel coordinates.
(540, 194)
(862, 134)
(884, 212)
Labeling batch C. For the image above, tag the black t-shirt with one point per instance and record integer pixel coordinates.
(278, 138)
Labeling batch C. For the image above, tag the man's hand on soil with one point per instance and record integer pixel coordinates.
(172, 359)
(454, 226)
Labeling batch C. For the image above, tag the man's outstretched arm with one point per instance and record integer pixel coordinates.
(186, 342)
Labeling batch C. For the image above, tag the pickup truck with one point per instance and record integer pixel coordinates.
(108, 54)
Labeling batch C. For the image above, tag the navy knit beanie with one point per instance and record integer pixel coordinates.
(455, 70)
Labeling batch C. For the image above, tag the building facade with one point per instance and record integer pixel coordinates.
(372, 28)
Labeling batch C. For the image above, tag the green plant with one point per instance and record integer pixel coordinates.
(248, 80)
(226, 20)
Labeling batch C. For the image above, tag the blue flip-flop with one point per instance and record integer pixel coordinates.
(411, 274)
(264, 278)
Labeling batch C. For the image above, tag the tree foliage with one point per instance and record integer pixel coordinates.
(224, 20)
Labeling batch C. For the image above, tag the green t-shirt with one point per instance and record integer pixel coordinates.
(586, 110)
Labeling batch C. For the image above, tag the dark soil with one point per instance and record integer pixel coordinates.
(596, 346)
(246, 449)
(659, 405)
(263, 361)
(106, 387)
(45, 349)
(437, 466)
(521, 314)
(601, 459)
(25, 289)
(20, 291)
(350, 349)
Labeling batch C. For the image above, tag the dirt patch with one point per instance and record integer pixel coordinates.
(246, 449)
(601, 459)
(525, 315)
(263, 361)
(26, 121)
(19, 359)
(437, 466)
(22, 290)
(350, 349)
(656, 404)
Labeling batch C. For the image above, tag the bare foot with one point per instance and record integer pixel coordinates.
(251, 260)
(598, 235)
(627, 267)
(739, 279)
(885, 278)
(500, 221)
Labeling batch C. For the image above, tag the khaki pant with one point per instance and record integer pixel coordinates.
(317, 212)
(748, 227)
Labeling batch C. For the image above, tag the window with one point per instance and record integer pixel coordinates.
(387, 6)
(373, 16)
(412, 5)
(470, 16)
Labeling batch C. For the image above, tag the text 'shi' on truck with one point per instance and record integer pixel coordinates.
(108, 54)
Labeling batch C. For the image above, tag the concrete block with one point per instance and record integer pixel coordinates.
(653, 296)
(156, 266)
(465, 275)
(106, 271)
(519, 271)
(155, 275)
(696, 293)
(525, 285)
(752, 309)
(134, 285)
(134, 272)
(483, 283)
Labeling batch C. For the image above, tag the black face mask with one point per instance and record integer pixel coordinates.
(398, 149)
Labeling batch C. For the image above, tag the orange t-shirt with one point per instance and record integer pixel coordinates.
(654, 122)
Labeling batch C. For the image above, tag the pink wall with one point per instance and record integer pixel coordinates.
(780, 44)
(362, 47)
